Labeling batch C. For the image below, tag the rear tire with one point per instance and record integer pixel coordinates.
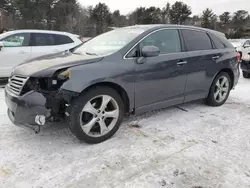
(245, 74)
(219, 90)
(96, 115)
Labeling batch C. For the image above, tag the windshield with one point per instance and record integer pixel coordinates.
(109, 42)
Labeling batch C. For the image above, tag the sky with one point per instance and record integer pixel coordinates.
(218, 6)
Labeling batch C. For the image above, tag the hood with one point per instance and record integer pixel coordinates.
(47, 65)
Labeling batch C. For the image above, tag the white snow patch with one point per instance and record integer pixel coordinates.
(202, 146)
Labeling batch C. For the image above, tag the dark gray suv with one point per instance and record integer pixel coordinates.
(128, 70)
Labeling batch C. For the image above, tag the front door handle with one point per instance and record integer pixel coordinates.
(216, 57)
(181, 63)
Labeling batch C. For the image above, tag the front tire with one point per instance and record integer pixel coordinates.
(219, 90)
(96, 115)
(245, 74)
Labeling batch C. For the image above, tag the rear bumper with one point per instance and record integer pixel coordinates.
(245, 66)
(22, 110)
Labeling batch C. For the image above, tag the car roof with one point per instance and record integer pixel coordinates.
(41, 31)
(159, 26)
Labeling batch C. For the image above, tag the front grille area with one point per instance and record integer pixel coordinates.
(16, 84)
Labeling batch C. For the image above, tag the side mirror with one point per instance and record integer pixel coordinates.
(1, 45)
(150, 51)
(246, 46)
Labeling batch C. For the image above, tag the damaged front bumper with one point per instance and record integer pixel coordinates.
(22, 110)
(25, 110)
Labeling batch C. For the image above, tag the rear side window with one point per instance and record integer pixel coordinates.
(62, 39)
(217, 42)
(42, 39)
(196, 40)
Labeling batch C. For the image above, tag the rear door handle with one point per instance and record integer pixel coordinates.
(181, 63)
(216, 57)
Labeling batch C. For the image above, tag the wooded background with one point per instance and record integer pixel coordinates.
(69, 15)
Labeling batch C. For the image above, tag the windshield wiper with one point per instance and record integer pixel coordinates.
(88, 53)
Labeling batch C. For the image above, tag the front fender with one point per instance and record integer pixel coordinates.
(87, 75)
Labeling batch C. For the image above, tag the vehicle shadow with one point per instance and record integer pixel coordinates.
(182, 108)
(61, 130)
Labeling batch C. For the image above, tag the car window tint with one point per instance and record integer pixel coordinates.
(17, 40)
(217, 42)
(62, 39)
(43, 39)
(167, 40)
(196, 40)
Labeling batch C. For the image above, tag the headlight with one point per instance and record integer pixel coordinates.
(65, 75)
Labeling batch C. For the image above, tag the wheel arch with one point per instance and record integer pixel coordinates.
(230, 73)
(119, 89)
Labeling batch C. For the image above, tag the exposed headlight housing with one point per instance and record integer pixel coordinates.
(60, 77)
(65, 75)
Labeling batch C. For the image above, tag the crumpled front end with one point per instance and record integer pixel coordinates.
(35, 101)
(22, 110)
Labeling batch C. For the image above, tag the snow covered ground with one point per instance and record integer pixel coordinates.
(193, 146)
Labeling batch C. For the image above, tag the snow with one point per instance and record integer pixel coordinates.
(236, 42)
(192, 145)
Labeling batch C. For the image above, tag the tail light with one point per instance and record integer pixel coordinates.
(238, 57)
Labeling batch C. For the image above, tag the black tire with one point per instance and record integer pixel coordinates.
(77, 106)
(245, 74)
(210, 100)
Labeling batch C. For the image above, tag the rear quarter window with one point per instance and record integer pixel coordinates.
(62, 39)
(217, 42)
(222, 37)
(196, 40)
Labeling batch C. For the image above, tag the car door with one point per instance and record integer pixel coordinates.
(42, 44)
(201, 67)
(160, 80)
(15, 50)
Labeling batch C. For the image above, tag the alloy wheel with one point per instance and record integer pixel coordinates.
(99, 116)
(221, 89)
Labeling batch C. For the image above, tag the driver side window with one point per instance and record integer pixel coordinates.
(17, 40)
(167, 40)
